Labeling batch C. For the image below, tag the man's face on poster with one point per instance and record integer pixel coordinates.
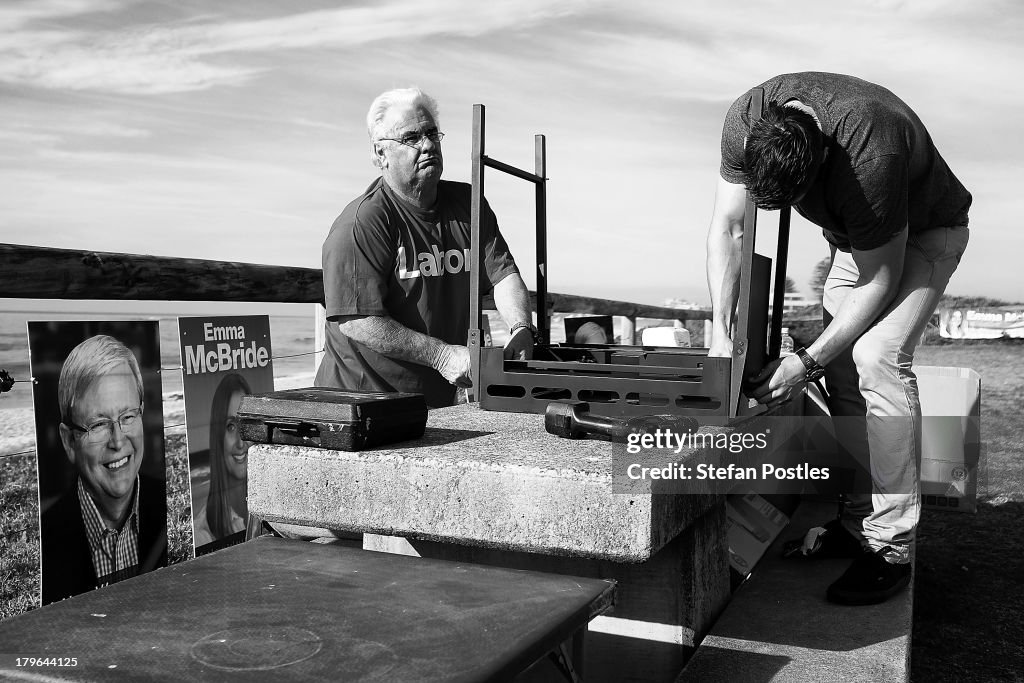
(105, 440)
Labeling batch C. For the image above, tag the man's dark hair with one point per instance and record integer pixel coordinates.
(783, 153)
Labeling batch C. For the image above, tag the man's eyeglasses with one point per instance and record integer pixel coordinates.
(102, 430)
(415, 139)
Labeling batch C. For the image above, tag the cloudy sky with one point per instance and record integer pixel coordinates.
(234, 129)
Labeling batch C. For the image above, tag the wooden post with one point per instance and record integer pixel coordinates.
(629, 330)
(319, 335)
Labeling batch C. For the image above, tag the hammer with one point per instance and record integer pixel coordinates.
(573, 420)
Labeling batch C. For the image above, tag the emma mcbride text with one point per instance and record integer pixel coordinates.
(230, 352)
(667, 439)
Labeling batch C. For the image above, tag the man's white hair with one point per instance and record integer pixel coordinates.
(394, 98)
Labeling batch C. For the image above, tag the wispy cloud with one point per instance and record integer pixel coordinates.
(28, 137)
(710, 47)
(149, 59)
(322, 125)
(69, 61)
(102, 129)
(17, 14)
(46, 138)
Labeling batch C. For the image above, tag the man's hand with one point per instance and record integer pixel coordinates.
(453, 364)
(721, 347)
(520, 346)
(777, 381)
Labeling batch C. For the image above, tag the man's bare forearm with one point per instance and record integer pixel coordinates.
(512, 300)
(862, 306)
(724, 255)
(880, 272)
(390, 338)
(723, 269)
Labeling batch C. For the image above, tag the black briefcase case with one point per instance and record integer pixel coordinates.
(332, 418)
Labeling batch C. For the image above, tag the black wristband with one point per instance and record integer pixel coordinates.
(530, 326)
(814, 370)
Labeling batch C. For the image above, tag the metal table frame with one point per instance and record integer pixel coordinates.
(701, 385)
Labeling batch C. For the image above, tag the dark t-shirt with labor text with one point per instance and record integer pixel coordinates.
(386, 257)
(882, 173)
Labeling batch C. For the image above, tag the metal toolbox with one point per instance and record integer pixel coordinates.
(332, 418)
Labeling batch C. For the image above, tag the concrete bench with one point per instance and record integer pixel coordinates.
(494, 488)
(284, 610)
(779, 627)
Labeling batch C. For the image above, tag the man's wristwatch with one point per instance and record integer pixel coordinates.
(534, 332)
(814, 370)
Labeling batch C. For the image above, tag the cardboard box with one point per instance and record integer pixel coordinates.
(753, 523)
(950, 437)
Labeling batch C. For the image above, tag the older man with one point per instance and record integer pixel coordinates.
(111, 524)
(857, 161)
(396, 267)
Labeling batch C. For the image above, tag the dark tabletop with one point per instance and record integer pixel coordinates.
(290, 610)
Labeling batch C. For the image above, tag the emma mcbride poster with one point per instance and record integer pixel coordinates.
(222, 360)
(100, 452)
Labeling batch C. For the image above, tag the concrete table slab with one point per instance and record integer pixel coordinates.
(283, 610)
(477, 478)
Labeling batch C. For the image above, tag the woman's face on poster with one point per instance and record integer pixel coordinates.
(236, 451)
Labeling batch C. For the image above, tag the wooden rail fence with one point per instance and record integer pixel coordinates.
(28, 272)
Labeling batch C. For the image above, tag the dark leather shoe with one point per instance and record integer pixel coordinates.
(869, 580)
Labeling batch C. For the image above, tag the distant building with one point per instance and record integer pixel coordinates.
(682, 303)
(792, 301)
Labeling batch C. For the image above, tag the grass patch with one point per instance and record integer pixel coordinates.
(179, 506)
(969, 582)
(969, 595)
(19, 535)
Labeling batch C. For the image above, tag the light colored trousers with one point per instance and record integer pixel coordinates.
(873, 390)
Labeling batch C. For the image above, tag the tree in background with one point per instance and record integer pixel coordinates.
(791, 286)
(956, 301)
(818, 277)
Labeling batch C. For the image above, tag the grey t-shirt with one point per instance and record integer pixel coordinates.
(883, 172)
(385, 257)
